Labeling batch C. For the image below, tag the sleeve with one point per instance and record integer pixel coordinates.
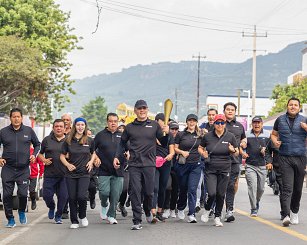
(43, 146)
(96, 141)
(234, 141)
(243, 135)
(0, 137)
(159, 132)
(92, 146)
(178, 138)
(203, 141)
(275, 127)
(35, 142)
(171, 140)
(64, 148)
(122, 146)
(41, 167)
(269, 153)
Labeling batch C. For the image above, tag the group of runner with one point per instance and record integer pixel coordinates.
(161, 169)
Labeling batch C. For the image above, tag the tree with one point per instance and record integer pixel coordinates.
(95, 113)
(282, 94)
(23, 76)
(45, 27)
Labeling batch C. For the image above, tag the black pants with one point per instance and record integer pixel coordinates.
(92, 189)
(230, 193)
(77, 193)
(10, 176)
(161, 177)
(171, 194)
(278, 174)
(123, 196)
(216, 182)
(32, 188)
(141, 179)
(293, 172)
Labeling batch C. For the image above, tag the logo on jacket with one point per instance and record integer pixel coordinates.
(148, 126)
(225, 142)
(26, 136)
(118, 136)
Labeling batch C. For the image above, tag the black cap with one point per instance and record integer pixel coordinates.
(140, 103)
(191, 116)
(160, 116)
(257, 119)
(173, 125)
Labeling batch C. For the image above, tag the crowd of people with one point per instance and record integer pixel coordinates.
(153, 166)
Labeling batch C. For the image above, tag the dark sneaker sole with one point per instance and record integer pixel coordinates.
(286, 223)
(230, 219)
(193, 222)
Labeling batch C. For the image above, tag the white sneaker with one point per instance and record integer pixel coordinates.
(84, 222)
(217, 222)
(192, 219)
(112, 221)
(294, 218)
(74, 226)
(103, 213)
(173, 214)
(166, 213)
(205, 216)
(181, 214)
(286, 221)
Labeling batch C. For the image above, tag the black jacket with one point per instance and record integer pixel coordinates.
(16, 145)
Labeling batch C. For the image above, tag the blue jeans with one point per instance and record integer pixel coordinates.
(188, 178)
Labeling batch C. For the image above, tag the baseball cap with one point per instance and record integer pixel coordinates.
(140, 103)
(191, 116)
(219, 117)
(174, 125)
(257, 119)
(160, 116)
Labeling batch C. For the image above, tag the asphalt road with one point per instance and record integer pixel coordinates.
(265, 229)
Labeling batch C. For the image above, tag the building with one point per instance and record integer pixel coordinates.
(295, 78)
(304, 63)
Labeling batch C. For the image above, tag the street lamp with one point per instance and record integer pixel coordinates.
(248, 107)
(160, 105)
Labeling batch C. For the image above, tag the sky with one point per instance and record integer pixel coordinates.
(135, 32)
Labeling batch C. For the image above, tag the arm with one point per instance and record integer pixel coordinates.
(275, 138)
(121, 148)
(68, 165)
(35, 142)
(41, 167)
(171, 152)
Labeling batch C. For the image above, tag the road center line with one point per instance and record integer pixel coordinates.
(275, 226)
(16, 234)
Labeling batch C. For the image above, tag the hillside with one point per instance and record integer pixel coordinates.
(156, 82)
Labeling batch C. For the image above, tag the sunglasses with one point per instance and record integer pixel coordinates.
(219, 123)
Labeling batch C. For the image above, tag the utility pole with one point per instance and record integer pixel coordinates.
(254, 35)
(176, 101)
(239, 101)
(198, 83)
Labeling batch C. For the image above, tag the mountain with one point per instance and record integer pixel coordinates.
(157, 82)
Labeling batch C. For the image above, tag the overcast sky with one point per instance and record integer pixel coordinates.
(135, 32)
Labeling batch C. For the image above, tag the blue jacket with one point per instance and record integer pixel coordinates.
(293, 140)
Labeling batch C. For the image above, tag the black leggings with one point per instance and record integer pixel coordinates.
(77, 192)
(125, 192)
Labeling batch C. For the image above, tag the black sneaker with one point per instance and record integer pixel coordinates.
(92, 204)
(136, 227)
(33, 204)
(160, 217)
(128, 202)
(65, 216)
(123, 210)
(197, 209)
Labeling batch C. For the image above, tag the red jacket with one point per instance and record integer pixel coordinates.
(37, 167)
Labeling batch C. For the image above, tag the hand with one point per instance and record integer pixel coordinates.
(245, 155)
(277, 143)
(116, 163)
(304, 126)
(97, 162)
(262, 151)
(231, 148)
(205, 154)
(32, 158)
(89, 166)
(47, 161)
(185, 154)
(2, 162)
(127, 155)
(71, 167)
(269, 166)
(243, 144)
(169, 157)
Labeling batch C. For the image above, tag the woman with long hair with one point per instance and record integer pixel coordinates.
(78, 156)
(188, 167)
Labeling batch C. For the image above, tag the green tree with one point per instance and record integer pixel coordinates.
(23, 75)
(43, 26)
(95, 113)
(282, 93)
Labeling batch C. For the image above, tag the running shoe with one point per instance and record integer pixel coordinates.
(160, 217)
(286, 221)
(217, 222)
(136, 227)
(211, 214)
(84, 222)
(112, 221)
(74, 226)
(51, 214)
(103, 213)
(173, 214)
(65, 215)
(11, 223)
(22, 217)
(58, 220)
(192, 219)
(128, 202)
(229, 217)
(166, 213)
(197, 209)
(151, 219)
(205, 216)
(294, 218)
(123, 210)
(92, 203)
(33, 204)
(254, 213)
(181, 214)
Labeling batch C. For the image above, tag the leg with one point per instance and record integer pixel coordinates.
(261, 177)
(124, 194)
(279, 182)
(164, 176)
(148, 175)
(49, 189)
(135, 193)
(183, 174)
(116, 187)
(22, 180)
(199, 189)
(222, 181)
(193, 181)
(62, 196)
(83, 184)
(8, 185)
(72, 188)
(156, 189)
(175, 189)
(251, 180)
(104, 189)
(211, 182)
(230, 193)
